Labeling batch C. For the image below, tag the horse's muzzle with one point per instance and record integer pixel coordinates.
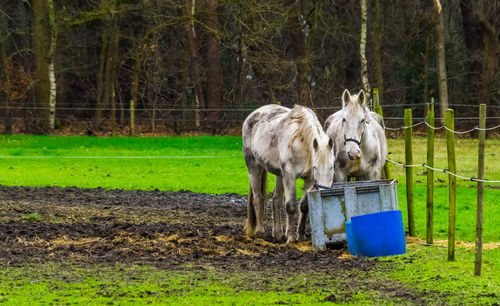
(354, 155)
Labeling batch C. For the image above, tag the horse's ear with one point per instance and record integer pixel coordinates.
(346, 98)
(315, 144)
(330, 143)
(362, 98)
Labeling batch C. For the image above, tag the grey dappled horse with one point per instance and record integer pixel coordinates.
(291, 144)
(360, 144)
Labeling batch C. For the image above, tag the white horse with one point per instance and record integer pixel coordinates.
(291, 144)
(360, 144)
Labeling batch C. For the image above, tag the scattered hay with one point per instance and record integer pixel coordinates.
(223, 238)
(444, 243)
(247, 253)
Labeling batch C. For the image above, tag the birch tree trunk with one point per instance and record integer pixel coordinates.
(189, 9)
(362, 51)
(52, 72)
(44, 38)
(441, 59)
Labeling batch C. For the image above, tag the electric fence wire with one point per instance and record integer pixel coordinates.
(442, 170)
(476, 128)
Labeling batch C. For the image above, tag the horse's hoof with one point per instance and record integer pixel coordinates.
(279, 238)
(248, 233)
(301, 237)
(290, 240)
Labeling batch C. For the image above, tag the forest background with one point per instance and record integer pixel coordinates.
(137, 67)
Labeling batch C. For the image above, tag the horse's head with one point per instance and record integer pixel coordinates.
(323, 161)
(354, 120)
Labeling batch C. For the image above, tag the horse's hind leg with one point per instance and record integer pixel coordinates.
(277, 202)
(258, 199)
(304, 210)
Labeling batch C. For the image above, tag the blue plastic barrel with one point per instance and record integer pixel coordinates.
(378, 234)
(351, 242)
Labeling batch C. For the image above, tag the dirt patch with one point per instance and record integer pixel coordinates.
(171, 230)
(161, 228)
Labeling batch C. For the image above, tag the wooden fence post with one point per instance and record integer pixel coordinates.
(430, 175)
(452, 192)
(409, 171)
(376, 103)
(132, 118)
(378, 109)
(480, 191)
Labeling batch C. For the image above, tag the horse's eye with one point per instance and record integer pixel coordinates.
(343, 119)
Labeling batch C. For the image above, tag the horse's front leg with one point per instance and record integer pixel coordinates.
(277, 202)
(304, 210)
(291, 207)
(370, 175)
(340, 175)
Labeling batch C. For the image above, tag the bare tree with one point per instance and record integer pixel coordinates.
(4, 77)
(45, 37)
(377, 52)
(214, 73)
(300, 50)
(491, 55)
(441, 58)
(362, 51)
(473, 35)
(189, 10)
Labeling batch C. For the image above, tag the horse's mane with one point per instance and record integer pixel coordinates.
(308, 125)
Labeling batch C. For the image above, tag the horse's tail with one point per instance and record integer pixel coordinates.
(251, 218)
(251, 222)
(263, 189)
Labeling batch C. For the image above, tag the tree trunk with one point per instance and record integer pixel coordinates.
(4, 81)
(377, 41)
(44, 37)
(473, 34)
(106, 90)
(134, 89)
(490, 60)
(297, 51)
(108, 66)
(114, 63)
(362, 51)
(101, 72)
(214, 72)
(441, 59)
(189, 9)
(426, 70)
(52, 72)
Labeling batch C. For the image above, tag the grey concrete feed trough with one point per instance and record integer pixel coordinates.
(329, 209)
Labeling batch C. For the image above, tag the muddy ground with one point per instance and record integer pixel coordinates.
(170, 230)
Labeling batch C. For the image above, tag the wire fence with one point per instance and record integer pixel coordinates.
(476, 128)
(441, 170)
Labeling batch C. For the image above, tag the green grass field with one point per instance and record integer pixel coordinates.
(216, 165)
